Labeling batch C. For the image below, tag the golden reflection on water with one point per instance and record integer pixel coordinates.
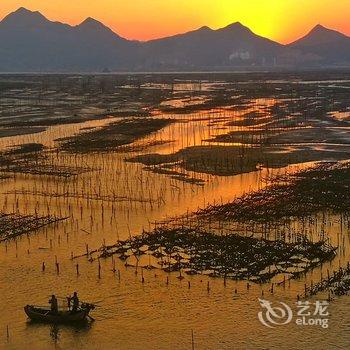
(131, 314)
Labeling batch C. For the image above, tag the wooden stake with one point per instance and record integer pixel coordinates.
(192, 339)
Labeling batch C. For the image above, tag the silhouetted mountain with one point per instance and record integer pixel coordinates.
(324, 46)
(23, 18)
(31, 42)
(234, 45)
(91, 27)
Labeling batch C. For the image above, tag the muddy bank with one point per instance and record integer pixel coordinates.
(32, 104)
(112, 136)
(294, 136)
(18, 131)
(209, 101)
(33, 159)
(233, 160)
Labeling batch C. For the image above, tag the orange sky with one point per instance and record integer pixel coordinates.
(280, 20)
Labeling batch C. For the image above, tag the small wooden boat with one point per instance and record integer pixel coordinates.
(45, 315)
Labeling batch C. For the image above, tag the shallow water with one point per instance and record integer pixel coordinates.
(132, 314)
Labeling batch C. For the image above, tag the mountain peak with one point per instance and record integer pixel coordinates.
(204, 29)
(320, 35)
(319, 28)
(23, 17)
(235, 26)
(94, 27)
(22, 10)
(91, 23)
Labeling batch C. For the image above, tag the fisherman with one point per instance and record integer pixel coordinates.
(75, 301)
(54, 304)
(69, 302)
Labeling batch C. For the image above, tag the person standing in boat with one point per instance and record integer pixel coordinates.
(75, 301)
(54, 304)
(69, 302)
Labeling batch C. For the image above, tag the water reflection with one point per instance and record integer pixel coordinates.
(58, 332)
(155, 311)
(55, 333)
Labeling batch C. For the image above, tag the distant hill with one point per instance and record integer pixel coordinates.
(325, 46)
(29, 42)
(234, 45)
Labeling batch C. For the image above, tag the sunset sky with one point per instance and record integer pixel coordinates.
(280, 20)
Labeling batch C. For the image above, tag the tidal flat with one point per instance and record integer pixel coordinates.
(174, 202)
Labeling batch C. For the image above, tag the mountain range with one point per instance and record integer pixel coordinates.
(29, 42)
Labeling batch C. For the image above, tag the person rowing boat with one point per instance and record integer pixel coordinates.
(78, 313)
(75, 300)
(54, 304)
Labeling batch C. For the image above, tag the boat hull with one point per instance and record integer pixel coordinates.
(42, 315)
